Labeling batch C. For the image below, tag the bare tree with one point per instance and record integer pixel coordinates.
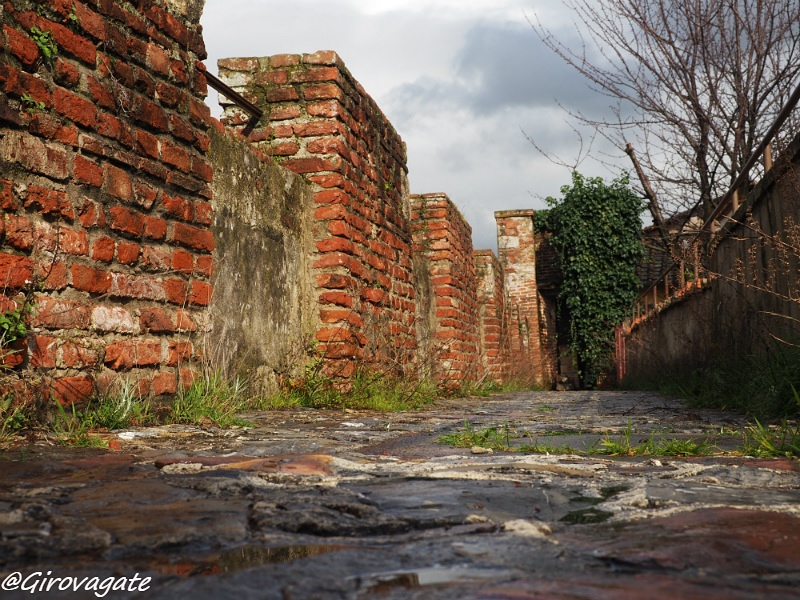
(695, 83)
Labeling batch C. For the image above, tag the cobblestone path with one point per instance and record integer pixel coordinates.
(331, 504)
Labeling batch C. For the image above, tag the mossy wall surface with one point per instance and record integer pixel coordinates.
(261, 309)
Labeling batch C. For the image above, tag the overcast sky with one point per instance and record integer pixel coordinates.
(460, 80)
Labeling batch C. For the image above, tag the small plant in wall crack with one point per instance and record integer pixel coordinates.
(14, 323)
(31, 105)
(12, 418)
(46, 43)
(72, 17)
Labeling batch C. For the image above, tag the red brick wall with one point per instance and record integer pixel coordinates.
(105, 192)
(322, 124)
(444, 238)
(493, 316)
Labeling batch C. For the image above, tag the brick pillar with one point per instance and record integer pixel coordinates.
(517, 249)
(492, 315)
(320, 123)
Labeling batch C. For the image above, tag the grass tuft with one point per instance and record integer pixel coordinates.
(496, 438)
(211, 399)
(367, 390)
(501, 438)
(72, 428)
(122, 408)
(774, 441)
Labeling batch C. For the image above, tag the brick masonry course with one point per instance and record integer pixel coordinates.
(98, 146)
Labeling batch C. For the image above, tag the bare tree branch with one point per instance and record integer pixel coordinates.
(698, 83)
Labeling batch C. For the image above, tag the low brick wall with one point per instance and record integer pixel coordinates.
(105, 190)
(495, 336)
(516, 242)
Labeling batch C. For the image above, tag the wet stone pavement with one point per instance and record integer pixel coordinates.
(330, 504)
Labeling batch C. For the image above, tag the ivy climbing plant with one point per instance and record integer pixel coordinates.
(596, 230)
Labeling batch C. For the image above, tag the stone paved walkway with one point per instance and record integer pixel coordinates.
(331, 504)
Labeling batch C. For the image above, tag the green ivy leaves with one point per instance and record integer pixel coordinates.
(596, 229)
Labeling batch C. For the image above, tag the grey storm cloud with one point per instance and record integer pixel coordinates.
(501, 66)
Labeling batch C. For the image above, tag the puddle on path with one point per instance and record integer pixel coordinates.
(586, 516)
(377, 583)
(593, 514)
(245, 557)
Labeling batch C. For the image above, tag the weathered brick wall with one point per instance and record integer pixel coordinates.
(321, 123)
(752, 300)
(105, 190)
(516, 243)
(109, 231)
(495, 335)
(444, 238)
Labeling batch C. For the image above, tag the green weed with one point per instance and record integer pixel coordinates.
(367, 390)
(31, 104)
(496, 438)
(13, 325)
(759, 385)
(772, 442)
(622, 446)
(537, 448)
(211, 398)
(121, 408)
(472, 389)
(12, 419)
(775, 441)
(616, 447)
(561, 432)
(73, 428)
(676, 447)
(46, 43)
(72, 17)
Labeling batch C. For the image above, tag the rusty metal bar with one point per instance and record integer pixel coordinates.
(232, 95)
